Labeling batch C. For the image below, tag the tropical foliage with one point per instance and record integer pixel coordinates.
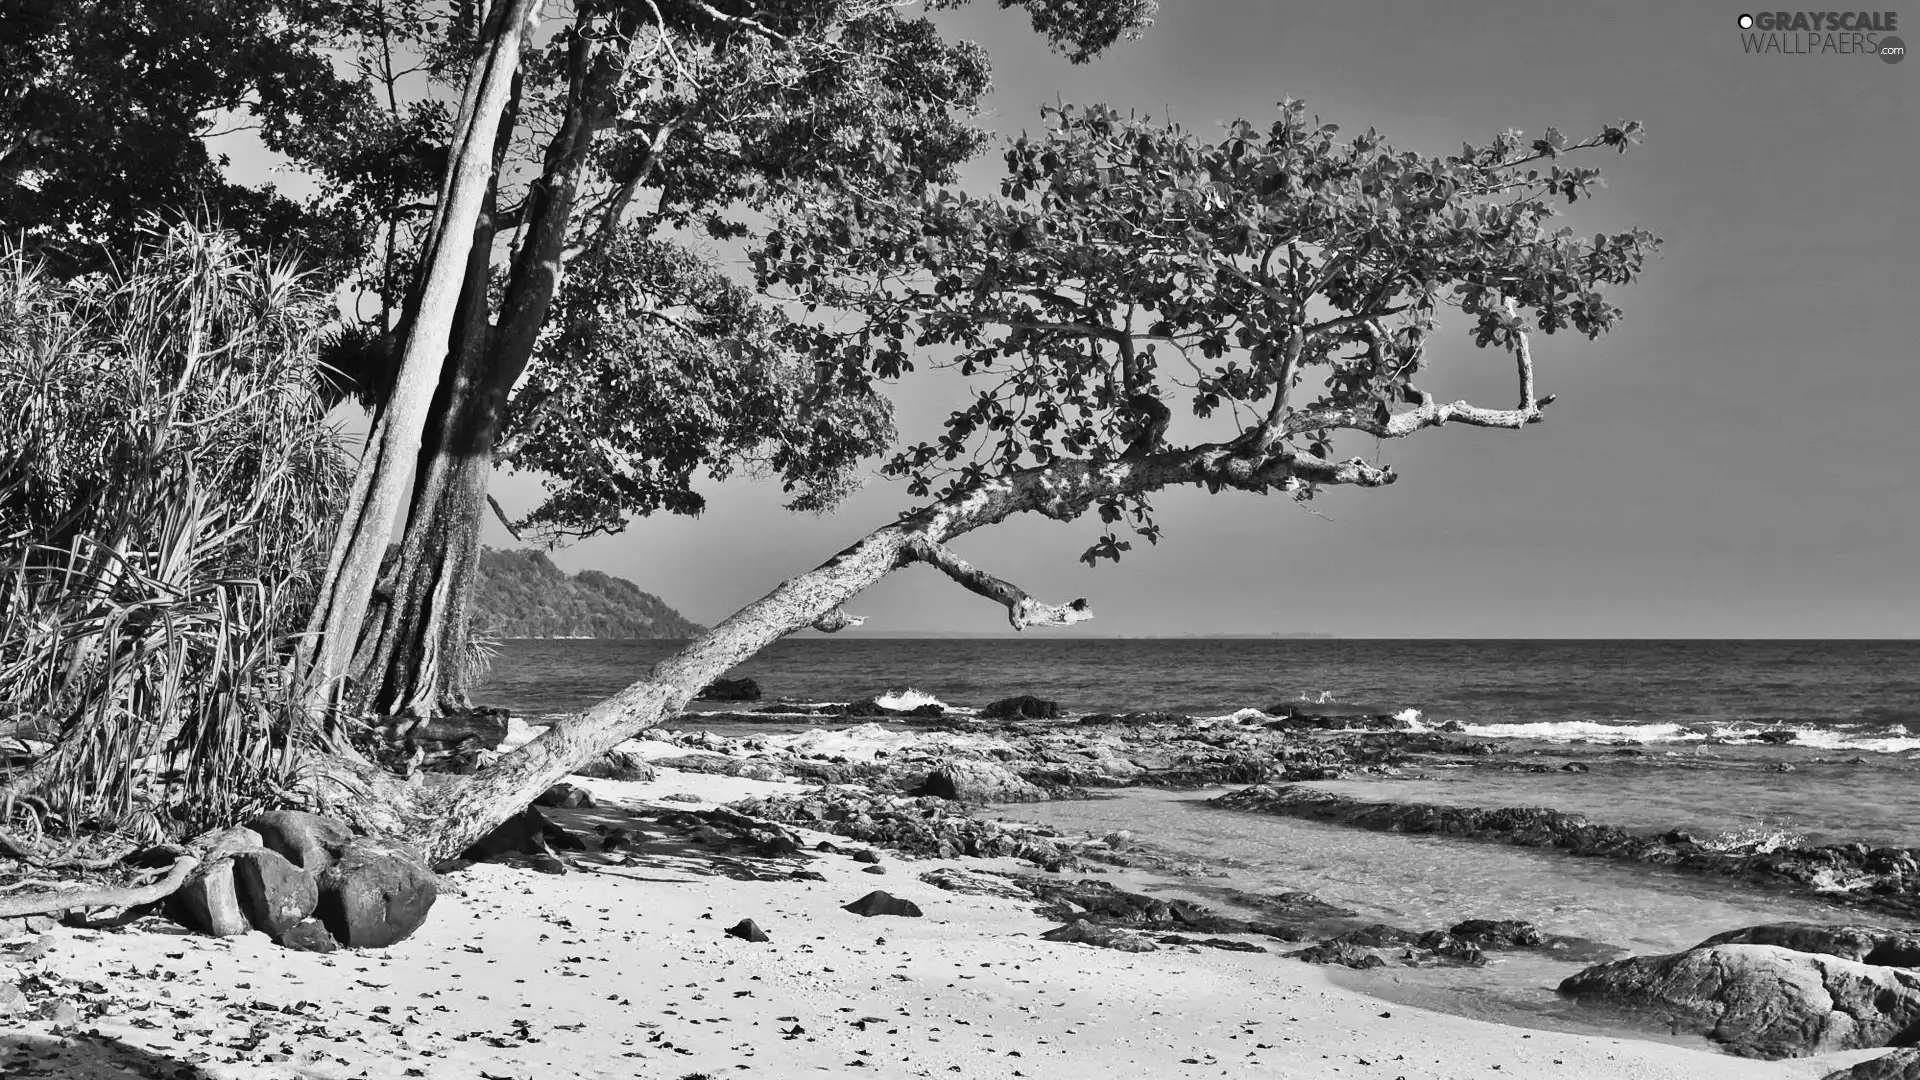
(164, 459)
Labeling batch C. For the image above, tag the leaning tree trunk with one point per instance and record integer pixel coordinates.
(446, 814)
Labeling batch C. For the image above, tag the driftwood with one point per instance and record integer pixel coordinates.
(112, 896)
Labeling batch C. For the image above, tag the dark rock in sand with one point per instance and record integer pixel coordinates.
(866, 855)
(1082, 932)
(309, 935)
(1866, 944)
(1760, 1000)
(1343, 953)
(873, 869)
(308, 841)
(618, 765)
(747, 930)
(964, 780)
(1212, 943)
(564, 796)
(377, 893)
(1105, 904)
(879, 903)
(730, 690)
(525, 833)
(208, 902)
(274, 894)
(1903, 1064)
(1022, 707)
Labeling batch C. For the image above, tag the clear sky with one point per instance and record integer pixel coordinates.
(1739, 459)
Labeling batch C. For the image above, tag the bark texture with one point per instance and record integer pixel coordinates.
(413, 661)
(380, 487)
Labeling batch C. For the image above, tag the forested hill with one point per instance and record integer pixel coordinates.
(522, 594)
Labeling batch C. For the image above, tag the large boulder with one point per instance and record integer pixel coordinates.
(1899, 1065)
(309, 841)
(1867, 944)
(376, 893)
(274, 894)
(208, 902)
(1761, 1000)
(964, 780)
(730, 690)
(1022, 707)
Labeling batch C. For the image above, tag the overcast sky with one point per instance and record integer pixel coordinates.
(1738, 460)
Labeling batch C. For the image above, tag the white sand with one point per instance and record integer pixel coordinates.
(623, 971)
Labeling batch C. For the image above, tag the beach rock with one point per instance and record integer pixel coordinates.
(1903, 1064)
(274, 894)
(619, 765)
(1288, 717)
(308, 841)
(963, 780)
(1300, 905)
(880, 903)
(1850, 873)
(1760, 1000)
(1512, 933)
(564, 796)
(1022, 707)
(1866, 944)
(919, 825)
(309, 935)
(1211, 943)
(525, 833)
(1081, 932)
(1342, 953)
(747, 930)
(973, 883)
(21, 925)
(208, 902)
(730, 690)
(377, 893)
(13, 1001)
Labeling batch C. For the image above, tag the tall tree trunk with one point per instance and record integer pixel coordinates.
(381, 486)
(414, 662)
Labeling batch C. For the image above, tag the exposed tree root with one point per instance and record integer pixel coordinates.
(67, 899)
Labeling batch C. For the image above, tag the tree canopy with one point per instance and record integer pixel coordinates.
(1285, 278)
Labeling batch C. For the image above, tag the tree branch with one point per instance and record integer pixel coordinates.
(837, 620)
(1022, 610)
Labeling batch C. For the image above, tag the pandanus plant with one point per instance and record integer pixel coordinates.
(168, 482)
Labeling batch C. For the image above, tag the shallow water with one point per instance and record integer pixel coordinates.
(1876, 802)
(1423, 883)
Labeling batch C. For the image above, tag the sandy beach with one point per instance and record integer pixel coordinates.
(622, 968)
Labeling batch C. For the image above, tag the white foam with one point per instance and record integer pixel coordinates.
(1892, 740)
(1587, 731)
(907, 699)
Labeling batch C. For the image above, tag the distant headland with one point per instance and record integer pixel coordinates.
(521, 594)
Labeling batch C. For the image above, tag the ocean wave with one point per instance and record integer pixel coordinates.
(907, 699)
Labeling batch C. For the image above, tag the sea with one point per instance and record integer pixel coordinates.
(1783, 741)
